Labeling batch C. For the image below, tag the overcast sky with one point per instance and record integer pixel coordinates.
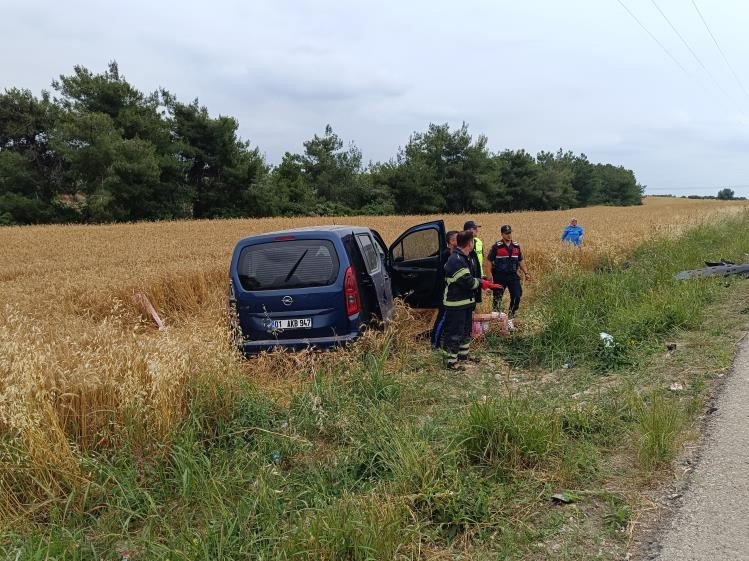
(539, 75)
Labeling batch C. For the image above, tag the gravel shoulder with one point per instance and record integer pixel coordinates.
(712, 522)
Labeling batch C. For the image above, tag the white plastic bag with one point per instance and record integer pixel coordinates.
(608, 340)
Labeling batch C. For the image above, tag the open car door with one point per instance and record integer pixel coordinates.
(416, 263)
(373, 252)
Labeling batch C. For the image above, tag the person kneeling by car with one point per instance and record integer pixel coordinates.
(459, 300)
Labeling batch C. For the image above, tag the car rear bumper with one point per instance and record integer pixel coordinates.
(254, 347)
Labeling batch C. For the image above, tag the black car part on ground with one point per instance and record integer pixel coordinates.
(722, 270)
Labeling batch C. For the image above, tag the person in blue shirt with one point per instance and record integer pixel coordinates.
(573, 233)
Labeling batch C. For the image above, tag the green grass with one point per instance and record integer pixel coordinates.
(355, 528)
(638, 305)
(366, 463)
(660, 424)
(511, 430)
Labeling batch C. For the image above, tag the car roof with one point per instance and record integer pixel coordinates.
(339, 230)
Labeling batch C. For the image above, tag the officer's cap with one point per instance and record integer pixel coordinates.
(470, 225)
(506, 229)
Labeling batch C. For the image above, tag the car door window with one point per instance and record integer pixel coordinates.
(417, 246)
(372, 260)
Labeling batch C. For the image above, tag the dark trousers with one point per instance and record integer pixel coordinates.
(510, 281)
(456, 333)
(439, 327)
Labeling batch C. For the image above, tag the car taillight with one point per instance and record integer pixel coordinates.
(351, 293)
(232, 294)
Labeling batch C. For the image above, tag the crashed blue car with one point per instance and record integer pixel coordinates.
(320, 286)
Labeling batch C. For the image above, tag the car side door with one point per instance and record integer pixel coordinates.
(416, 263)
(377, 271)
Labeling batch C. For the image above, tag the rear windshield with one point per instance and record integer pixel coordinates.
(288, 264)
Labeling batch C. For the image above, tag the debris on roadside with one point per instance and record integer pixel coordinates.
(715, 269)
(676, 387)
(561, 498)
(608, 340)
(124, 551)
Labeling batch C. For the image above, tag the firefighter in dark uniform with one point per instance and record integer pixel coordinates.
(506, 258)
(476, 256)
(452, 241)
(459, 301)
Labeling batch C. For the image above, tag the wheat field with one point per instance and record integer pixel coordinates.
(82, 367)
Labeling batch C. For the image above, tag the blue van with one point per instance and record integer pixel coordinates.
(319, 286)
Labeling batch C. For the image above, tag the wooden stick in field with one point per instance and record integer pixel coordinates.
(143, 299)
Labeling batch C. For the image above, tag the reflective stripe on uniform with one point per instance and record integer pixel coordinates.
(457, 275)
(458, 303)
(460, 286)
(460, 273)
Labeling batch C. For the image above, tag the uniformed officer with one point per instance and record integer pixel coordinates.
(476, 257)
(439, 323)
(459, 301)
(506, 258)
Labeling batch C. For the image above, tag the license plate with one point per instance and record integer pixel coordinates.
(297, 323)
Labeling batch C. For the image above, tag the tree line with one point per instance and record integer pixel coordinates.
(99, 150)
(726, 194)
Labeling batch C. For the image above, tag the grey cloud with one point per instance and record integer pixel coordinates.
(303, 87)
(534, 75)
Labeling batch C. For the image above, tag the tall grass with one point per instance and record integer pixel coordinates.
(367, 528)
(637, 305)
(660, 422)
(515, 430)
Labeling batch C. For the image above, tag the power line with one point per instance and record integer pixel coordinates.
(665, 50)
(717, 85)
(672, 57)
(738, 80)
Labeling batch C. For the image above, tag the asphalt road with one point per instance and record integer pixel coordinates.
(713, 522)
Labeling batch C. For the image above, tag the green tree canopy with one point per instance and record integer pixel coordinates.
(29, 170)
(102, 150)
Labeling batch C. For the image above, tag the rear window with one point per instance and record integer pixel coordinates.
(371, 258)
(288, 264)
